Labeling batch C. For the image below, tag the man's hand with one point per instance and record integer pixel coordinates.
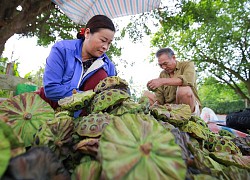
(155, 83)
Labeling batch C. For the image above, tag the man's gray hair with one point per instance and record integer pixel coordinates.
(167, 51)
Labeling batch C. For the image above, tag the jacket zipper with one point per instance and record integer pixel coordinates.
(79, 82)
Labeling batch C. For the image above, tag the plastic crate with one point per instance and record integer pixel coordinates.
(22, 88)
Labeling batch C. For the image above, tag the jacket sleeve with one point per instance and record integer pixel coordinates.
(109, 66)
(53, 75)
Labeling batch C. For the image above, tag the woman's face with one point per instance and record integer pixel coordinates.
(98, 43)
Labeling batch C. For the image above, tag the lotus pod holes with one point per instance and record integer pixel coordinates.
(77, 100)
(108, 98)
(92, 125)
(112, 82)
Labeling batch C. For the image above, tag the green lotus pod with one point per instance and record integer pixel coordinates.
(145, 104)
(92, 125)
(57, 135)
(182, 139)
(200, 121)
(77, 101)
(25, 113)
(43, 136)
(216, 143)
(203, 162)
(233, 172)
(160, 112)
(62, 128)
(231, 159)
(64, 113)
(111, 82)
(87, 169)
(167, 125)
(5, 153)
(195, 130)
(223, 132)
(107, 99)
(16, 143)
(129, 106)
(176, 114)
(136, 146)
(88, 146)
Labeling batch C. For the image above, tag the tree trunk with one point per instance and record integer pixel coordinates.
(18, 15)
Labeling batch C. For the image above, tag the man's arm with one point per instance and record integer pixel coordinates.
(155, 83)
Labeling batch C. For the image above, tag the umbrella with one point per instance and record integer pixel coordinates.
(80, 11)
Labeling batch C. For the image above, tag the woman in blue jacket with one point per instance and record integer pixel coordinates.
(79, 64)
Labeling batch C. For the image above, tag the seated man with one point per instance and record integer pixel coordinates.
(176, 84)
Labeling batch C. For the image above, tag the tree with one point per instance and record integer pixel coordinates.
(215, 34)
(42, 19)
(219, 97)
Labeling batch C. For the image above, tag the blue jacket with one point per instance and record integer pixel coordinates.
(64, 69)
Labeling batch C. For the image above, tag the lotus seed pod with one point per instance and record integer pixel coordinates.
(216, 143)
(202, 162)
(87, 169)
(92, 125)
(62, 128)
(223, 132)
(88, 146)
(16, 143)
(25, 113)
(77, 101)
(107, 99)
(129, 106)
(176, 114)
(231, 159)
(135, 145)
(5, 153)
(111, 82)
(195, 130)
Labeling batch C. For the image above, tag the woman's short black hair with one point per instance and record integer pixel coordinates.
(96, 23)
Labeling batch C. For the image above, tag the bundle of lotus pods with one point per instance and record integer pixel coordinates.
(119, 138)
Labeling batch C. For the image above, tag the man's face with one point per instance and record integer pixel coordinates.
(167, 63)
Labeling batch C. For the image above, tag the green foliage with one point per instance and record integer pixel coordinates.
(215, 34)
(225, 107)
(36, 78)
(51, 26)
(55, 25)
(3, 64)
(219, 97)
